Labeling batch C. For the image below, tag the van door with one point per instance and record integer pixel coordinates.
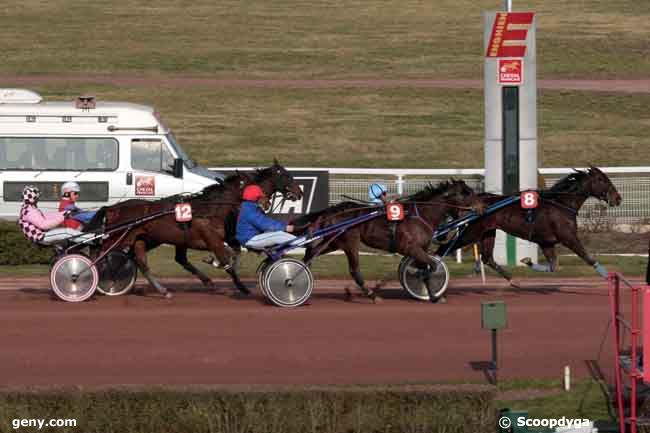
(152, 163)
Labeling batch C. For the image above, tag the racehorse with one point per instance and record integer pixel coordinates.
(552, 222)
(214, 214)
(411, 237)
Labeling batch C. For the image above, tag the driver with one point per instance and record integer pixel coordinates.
(256, 230)
(377, 193)
(34, 222)
(70, 194)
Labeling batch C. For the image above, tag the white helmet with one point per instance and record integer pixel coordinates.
(70, 187)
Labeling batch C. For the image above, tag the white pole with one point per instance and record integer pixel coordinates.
(400, 184)
(459, 256)
(482, 270)
(567, 378)
(508, 5)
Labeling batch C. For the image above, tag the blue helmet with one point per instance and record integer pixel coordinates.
(375, 191)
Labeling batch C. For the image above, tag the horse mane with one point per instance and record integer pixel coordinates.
(428, 192)
(332, 210)
(570, 183)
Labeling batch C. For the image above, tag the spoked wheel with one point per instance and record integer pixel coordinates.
(413, 278)
(260, 274)
(287, 282)
(74, 278)
(117, 274)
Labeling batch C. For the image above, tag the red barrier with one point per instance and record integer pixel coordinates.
(628, 361)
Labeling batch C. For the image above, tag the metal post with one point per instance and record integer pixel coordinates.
(613, 284)
(400, 184)
(634, 373)
(508, 5)
(494, 355)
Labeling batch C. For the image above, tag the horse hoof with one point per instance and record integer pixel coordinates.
(241, 294)
(348, 295)
(440, 300)
(515, 284)
(527, 261)
(168, 295)
(375, 298)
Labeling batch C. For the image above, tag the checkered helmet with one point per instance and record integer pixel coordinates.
(31, 194)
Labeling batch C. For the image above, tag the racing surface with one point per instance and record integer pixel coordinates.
(215, 339)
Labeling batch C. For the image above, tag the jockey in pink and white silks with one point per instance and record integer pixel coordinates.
(33, 222)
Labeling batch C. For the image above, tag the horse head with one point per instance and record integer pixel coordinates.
(599, 185)
(458, 193)
(276, 178)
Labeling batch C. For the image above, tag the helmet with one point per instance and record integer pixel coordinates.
(70, 187)
(31, 194)
(375, 191)
(252, 193)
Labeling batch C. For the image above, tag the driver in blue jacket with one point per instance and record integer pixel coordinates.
(377, 193)
(254, 228)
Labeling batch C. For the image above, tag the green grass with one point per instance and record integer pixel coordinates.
(585, 400)
(374, 267)
(393, 409)
(416, 128)
(297, 38)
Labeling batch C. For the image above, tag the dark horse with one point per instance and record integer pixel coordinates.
(552, 223)
(411, 237)
(214, 214)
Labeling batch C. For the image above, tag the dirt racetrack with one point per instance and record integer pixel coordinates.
(212, 339)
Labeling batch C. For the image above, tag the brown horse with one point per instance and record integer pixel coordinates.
(214, 213)
(410, 237)
(552, 223)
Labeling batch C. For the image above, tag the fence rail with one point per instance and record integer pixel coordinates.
(633, 183)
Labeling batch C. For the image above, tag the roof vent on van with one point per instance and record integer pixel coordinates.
(85, 102)
(19, 96)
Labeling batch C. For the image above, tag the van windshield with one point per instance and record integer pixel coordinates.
(179, 151)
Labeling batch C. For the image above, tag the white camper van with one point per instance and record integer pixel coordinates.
(114, 150)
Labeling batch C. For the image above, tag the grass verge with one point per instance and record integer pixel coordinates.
(295, 38)
(370, 409)
(374, 267)
(415, 128)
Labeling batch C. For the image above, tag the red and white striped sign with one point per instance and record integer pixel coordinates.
(508, 37)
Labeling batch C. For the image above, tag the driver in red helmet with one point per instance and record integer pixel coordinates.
(254, 228)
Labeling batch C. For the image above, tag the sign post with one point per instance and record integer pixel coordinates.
(493, 317)
(510, 84)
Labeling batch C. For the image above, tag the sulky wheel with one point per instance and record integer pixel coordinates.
(117, 274)
(413, 278)
(287, 282)
(74, 278)
(260, 274)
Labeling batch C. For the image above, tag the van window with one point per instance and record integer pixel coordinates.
(151, 155)
(73, 154)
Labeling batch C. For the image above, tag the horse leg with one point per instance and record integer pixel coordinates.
(181, 259)
(421, 256)
(226, 260)
(352, 253)
(574, 244)
(551, 258)
(487, 257)
(140, 252)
